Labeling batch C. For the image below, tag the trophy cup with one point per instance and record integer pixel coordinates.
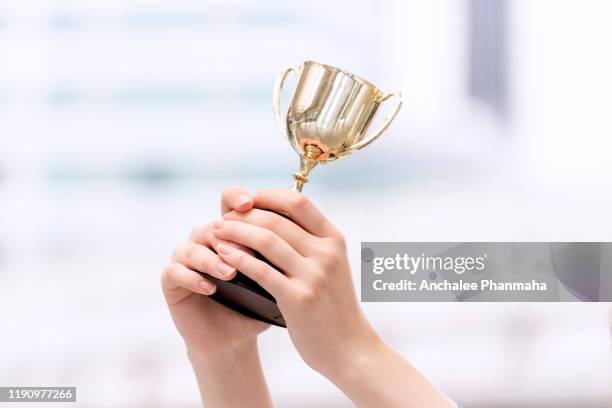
(327, 119)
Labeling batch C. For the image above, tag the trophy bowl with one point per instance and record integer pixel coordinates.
(329, 114)
(328, 118)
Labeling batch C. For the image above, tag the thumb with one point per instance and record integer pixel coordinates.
(237, 199)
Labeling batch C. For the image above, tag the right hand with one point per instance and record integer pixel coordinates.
(315, 293)
(318, 301)
(208, 328)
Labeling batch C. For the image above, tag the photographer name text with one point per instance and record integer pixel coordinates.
(433, 265)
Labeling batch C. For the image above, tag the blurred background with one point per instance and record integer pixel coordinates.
(121, 122)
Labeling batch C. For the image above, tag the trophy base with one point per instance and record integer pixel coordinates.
(243, 295)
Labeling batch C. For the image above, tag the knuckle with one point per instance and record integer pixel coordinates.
(332, 252)
(340, 241)
(306, 296)
(329, 258)
(268, 238)
(163, 276)
(189, 253)
(229, 227)
(194, 232)
(263, 220)
(176, 253)
(197, 233)
(239, 257)
(318, 281)
(262, 271)
(299, 202)
(169, 272)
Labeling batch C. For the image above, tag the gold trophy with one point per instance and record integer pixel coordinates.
(327, 119)
(329, 114)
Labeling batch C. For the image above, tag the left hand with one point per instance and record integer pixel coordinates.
(208, 328)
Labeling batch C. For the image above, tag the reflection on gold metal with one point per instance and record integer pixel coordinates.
(329, 114)
(312, 152)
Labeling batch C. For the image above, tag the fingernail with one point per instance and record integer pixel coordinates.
(217, 225)
(224, 249)
(224, 269)
(207, 287)
(242, 200)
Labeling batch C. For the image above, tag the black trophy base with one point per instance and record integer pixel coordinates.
(245, 296)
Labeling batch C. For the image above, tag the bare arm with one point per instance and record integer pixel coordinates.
(378, 376)
(317, 298)
(221, 344)
(232, 379)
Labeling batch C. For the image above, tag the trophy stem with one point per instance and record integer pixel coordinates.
(298, 185)
(307, 163)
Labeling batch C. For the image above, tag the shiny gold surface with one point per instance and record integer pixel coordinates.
(329, 114)
(312, 152)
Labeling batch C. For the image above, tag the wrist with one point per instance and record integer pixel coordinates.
(232, 354)
(231, 377)
(358, 360)
(355, 355)
(376, 375)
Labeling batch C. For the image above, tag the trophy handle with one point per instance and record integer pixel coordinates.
(386, 123)
(276, 96)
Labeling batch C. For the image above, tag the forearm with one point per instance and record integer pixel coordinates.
(232, 379)
(378, 376)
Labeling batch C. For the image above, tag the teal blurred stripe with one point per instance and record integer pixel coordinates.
(374, 173)
(64, 96)
(161, 95)
(190, 19)
(66, 22)
(165, 20)
(152, 95)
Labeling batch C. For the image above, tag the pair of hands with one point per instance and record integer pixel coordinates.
(315, 292)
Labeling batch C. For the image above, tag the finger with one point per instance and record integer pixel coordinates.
(236, 198)
(177, 277)
(200, 258)
(204, 236)
(265, 275)
(297, 207)
(302, 241)
(264, 241)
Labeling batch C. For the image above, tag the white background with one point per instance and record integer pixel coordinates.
(121, 122)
